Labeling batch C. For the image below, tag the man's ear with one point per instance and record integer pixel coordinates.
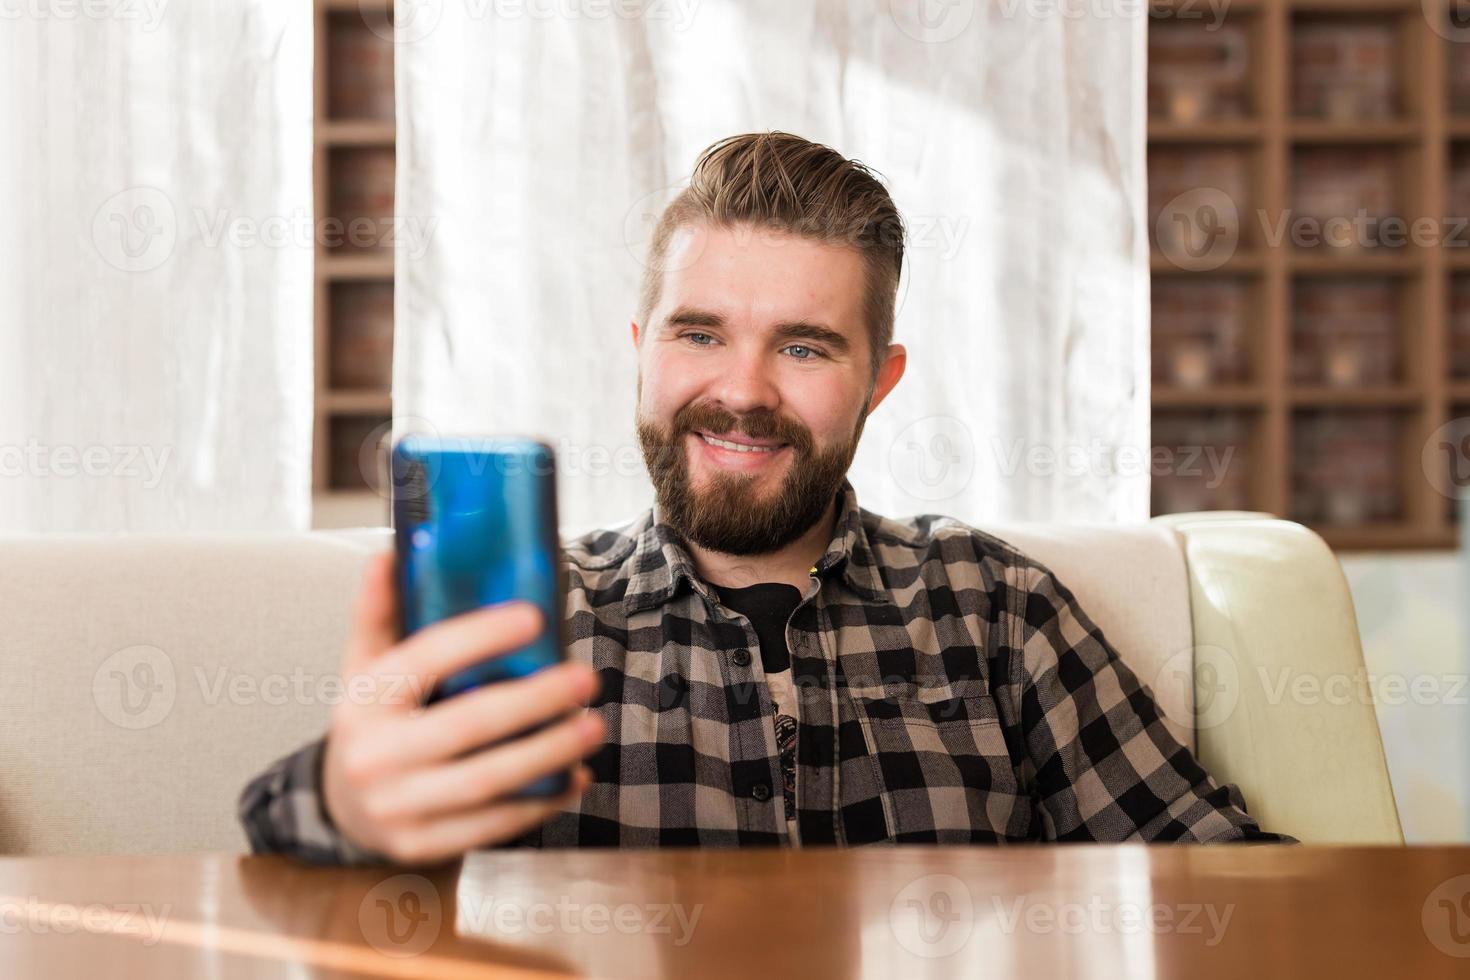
(888, 374)
(634, 325)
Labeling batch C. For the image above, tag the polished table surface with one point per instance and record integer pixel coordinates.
(1042, 911)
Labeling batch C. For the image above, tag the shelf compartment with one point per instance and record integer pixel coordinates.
(360, 338)
(1203, 331)
(1348, 333)
(354, 445)
(361, 199)
(1200, 68)
(1342, 197)
(1209, 194)
(1203, 459)
(1347, 68)
(359, 69)
(1348, 466)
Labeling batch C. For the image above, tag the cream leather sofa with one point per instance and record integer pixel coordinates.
(144, 679)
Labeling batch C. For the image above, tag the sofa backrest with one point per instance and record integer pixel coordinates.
(144, 680)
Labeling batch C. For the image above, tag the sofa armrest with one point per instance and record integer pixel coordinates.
(1283, 707)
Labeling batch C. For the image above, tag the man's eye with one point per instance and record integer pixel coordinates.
(803, 353)
(700, 339)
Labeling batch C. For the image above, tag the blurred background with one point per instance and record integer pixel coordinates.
(1309, 182)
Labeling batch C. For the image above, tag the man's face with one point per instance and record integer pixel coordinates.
(754, 374)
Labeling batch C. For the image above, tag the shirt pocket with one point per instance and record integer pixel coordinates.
(942, 766)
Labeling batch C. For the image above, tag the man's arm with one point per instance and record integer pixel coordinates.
(1105, 766)
(282, 813)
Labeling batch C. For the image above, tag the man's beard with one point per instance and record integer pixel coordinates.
(728, 514)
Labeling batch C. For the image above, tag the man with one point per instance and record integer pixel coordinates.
(765, 663)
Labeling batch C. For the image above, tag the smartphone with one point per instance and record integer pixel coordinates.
(474, 524)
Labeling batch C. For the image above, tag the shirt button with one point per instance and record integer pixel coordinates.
(761, 791)
(740, 658)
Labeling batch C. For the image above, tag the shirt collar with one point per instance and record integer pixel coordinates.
(851, 551)
(660, 562)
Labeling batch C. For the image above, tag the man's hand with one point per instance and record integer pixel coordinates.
(416, 785)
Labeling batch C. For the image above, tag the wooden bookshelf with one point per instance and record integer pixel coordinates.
(1327, 365)
(352, 177)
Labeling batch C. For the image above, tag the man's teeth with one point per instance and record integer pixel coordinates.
(737, 446)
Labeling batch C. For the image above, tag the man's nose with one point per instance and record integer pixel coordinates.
(746, 385)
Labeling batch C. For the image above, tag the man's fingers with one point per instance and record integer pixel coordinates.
(449, 837)
(374, 626)
(488, 775)
(469, 721)
(488, 714)
(434, 652)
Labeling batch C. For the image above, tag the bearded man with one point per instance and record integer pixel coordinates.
(761, 661)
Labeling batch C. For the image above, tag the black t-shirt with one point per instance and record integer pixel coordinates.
(768, 606)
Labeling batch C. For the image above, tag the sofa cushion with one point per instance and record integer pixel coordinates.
(143, 680)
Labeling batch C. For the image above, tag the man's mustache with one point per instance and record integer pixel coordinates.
(757, 425)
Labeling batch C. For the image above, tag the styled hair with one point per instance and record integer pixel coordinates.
(785, 183)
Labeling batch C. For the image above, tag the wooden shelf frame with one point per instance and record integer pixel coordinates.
(336, 505)
(1425, 395)
(355, 132)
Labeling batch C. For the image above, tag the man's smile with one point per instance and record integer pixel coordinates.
(729, 450)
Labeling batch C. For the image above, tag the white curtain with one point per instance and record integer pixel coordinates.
(155, 265)
(544, 137)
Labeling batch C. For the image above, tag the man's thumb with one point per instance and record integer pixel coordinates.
(374, 615)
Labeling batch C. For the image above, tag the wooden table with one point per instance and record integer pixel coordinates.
(1054, 911)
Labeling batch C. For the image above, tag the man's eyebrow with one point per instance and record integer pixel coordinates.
(686, 316)
(804, 330)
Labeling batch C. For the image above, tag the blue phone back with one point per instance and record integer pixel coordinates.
(474, 525)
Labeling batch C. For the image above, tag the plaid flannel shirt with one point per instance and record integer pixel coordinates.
(950, 690)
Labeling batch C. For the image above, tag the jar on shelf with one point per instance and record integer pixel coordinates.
(1189, 100)
(1345, 506)
(1191, 362)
